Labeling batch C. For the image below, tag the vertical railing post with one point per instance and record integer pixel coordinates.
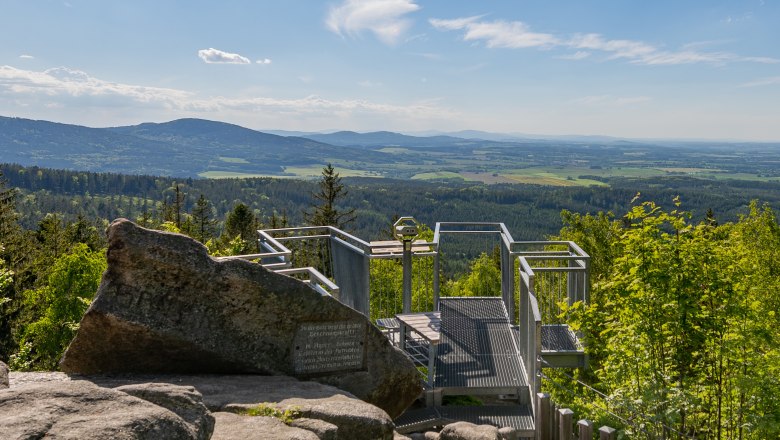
(542, 415)
(565, 419)
(508, 280)
(436, 279)
(584, 430)
(431, 363)
(407, 263)
(572, 286)
(607, 433)
(586, 282)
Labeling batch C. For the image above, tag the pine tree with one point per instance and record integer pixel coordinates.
(203, 224)
(241, 222)
(8, 215)
(331, 191)
(178, 204)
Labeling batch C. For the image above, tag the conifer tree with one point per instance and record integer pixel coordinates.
(324, 212)
(8, 215)
(203, 223)
(241, 222)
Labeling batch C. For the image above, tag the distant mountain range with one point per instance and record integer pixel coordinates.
(202, 148)
(197, 147)
(182, 148)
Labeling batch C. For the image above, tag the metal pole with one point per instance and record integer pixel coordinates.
(436, 281)
(407, 263)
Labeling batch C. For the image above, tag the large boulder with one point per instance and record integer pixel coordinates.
(232, 426)
(3, 375)
(82, 410)
(184, 401)
(354, 419)
(165, 306)
(469, 431)
(324, 410)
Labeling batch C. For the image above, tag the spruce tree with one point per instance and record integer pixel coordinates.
(203, 223)
(241, 222)
(8, 216)
(324, 212)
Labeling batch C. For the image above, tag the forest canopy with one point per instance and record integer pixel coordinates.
(682, 328)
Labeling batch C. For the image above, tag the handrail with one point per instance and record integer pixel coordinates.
(318, 281)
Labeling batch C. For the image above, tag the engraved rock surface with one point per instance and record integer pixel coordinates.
(165, 306)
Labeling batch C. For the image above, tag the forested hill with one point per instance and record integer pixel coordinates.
(183, 148)
(530, 211)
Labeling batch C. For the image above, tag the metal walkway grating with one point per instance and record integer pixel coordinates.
(515, 416)
(477, 348)
(479, 371)
(559, 337)
(561, 348)
(417, 420)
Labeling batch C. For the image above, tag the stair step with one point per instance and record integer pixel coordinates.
(519, 417)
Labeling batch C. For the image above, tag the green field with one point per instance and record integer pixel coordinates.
(232, 159)
(232, 175)
(437, 175)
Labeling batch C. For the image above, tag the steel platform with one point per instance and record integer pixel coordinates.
(477, 353)
(561, 348)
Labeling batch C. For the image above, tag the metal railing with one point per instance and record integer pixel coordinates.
(536, 276)
(313, 278)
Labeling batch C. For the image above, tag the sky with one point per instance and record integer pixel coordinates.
(626, 68)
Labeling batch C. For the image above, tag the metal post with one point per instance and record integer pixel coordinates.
(436, 281)
(431, 364)
(407, 262)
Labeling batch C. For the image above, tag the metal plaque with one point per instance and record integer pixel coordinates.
(326, 347)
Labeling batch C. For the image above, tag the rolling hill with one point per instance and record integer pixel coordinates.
(182, 148)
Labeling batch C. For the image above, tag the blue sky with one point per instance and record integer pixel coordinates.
(650, 69)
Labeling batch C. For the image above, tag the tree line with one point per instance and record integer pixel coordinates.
(682, 329)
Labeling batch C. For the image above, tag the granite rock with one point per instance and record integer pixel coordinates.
(81, 410)
(3, 375)
(165, 306)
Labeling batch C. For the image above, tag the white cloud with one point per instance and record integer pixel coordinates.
(512, 35)
(26, 57)
(518, 35)
(69, 88)
(216, 56)
(385, 18)
(64, 83)
(497, 33)
(454, 24)
(579, 55)
(264, 61)
(771, 81)
(618, 48)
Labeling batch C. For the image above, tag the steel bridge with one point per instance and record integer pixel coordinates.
(493, 346)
